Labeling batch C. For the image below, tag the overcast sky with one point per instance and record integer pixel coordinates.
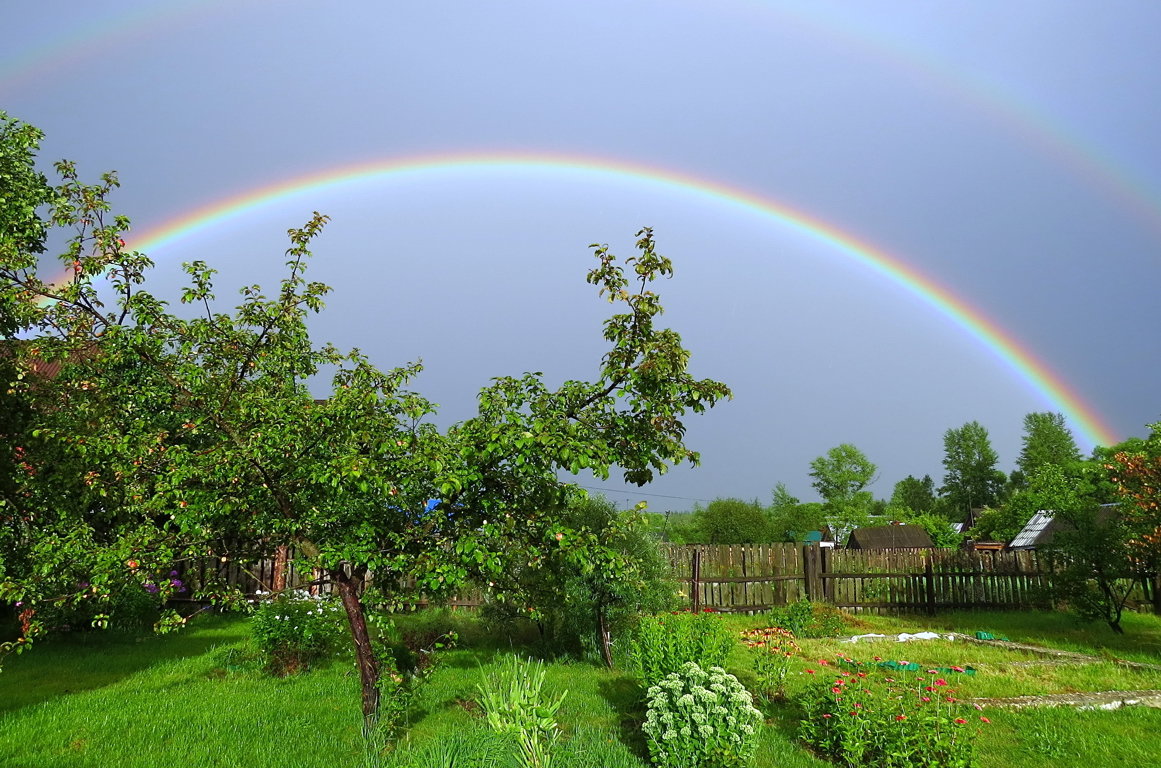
(1004, 152)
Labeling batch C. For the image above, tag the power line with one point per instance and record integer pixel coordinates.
(619, 492)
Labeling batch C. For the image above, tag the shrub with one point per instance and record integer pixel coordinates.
(661, 645)
(868, 718)
(698, 718)
(295, 629)
(807, 619)
(514, 703)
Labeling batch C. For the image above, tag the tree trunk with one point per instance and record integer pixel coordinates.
(281, 558)
(603, 641)
(364, 653)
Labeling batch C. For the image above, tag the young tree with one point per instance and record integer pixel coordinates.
(971, 479)
(1047, 440)
(1096, 569)
(915, 495)
(198, 435)
(840, 477)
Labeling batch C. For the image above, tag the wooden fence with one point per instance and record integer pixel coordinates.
(749, 578)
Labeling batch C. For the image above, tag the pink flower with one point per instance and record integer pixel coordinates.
(957, 669)
(984, 719)
(941, 681)
(826, 716)
(979, 707)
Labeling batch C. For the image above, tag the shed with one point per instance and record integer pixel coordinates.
(890, 537)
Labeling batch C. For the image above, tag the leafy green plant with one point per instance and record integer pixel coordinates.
(514, 703)
(293, 630)
(698, 718)
(770, 652)
(873, 719)
(661, 645)
(807, 619)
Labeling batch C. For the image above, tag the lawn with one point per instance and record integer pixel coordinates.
(98, 699)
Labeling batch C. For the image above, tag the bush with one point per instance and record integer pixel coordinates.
(868, 718)
(807, 619)
(296, 629)
(662, 645)
(699, 718)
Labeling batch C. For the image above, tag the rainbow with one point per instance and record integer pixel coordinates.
(1038, 131)
(1023, 363)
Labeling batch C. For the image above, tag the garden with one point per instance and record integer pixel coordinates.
(785, 688)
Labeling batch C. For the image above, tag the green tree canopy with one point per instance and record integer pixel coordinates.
(1047, 440)
(840, 477)
(971, 479)
(915, 495)
(195, 435)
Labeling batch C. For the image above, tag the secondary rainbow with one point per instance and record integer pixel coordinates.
(1023, 363)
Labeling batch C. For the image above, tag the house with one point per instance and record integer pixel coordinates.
(1040, 530)
(890, 537)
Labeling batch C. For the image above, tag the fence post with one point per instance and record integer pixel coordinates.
(929, 578)
(695, 581)
(810, 570)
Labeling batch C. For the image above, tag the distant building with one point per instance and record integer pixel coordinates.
(1044, 525)
(890, 537)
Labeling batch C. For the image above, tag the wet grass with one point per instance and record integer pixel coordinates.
(99, 699)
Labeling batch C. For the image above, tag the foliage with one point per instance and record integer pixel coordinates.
(808, 619)
(938, 528)
(970, 479)
(915, 495)
(771, 649)
(789, 519)
(196, 435)
(515, 704)
(1002, 524)
(661, 645)
(1137, 476)
(1047, 440)
(861, 718)
(699, 718)
(1095, 568)
(731, 521)
(605, 572)
(295, 629)
(840, 477)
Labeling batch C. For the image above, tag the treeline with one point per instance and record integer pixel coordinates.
(992, 505)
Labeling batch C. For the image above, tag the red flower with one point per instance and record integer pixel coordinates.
(827, 716)
(824, 662)
(984, 719)
(810, 671)
(960, 721)
(900, 717)
(941, 681)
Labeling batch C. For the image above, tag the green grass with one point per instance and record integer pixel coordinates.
(96, 699)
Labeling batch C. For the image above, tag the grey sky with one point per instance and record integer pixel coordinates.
(1008, 151)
